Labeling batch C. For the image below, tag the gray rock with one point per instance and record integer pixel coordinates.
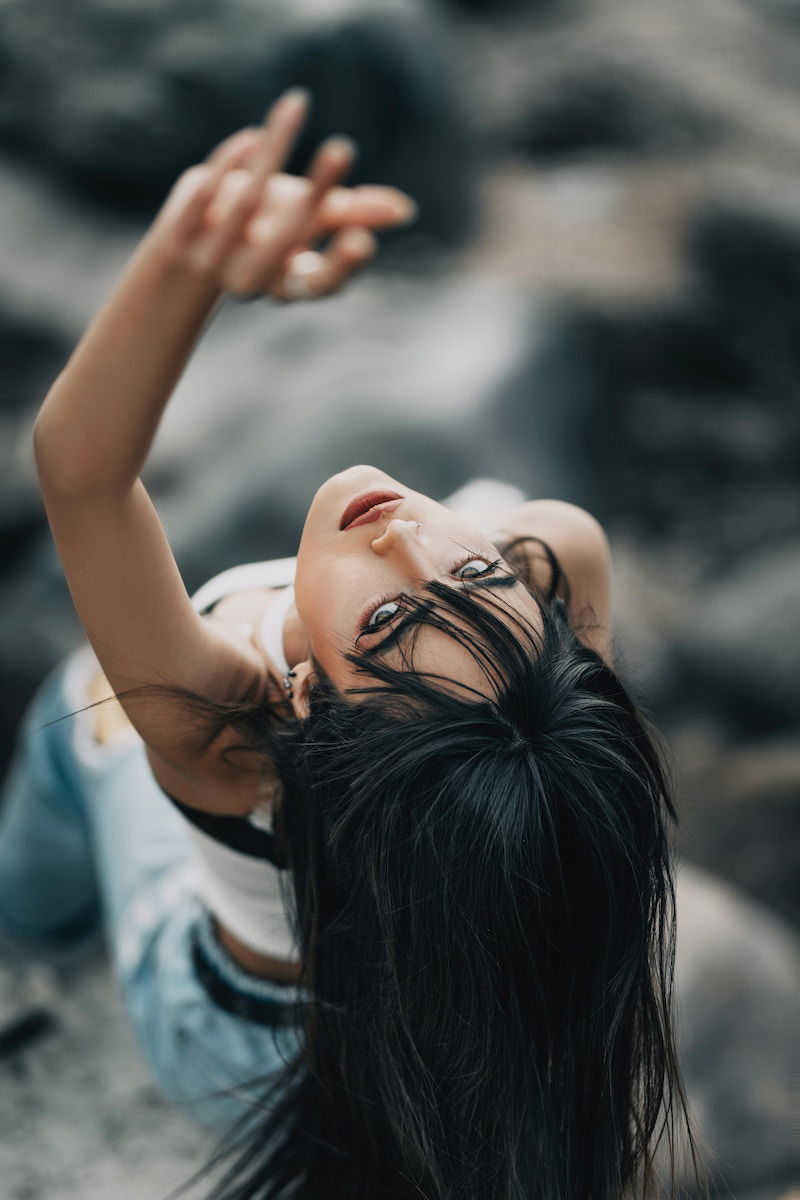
(742, 649)
(739, 811)
(81, 1116)
(654, 595)
(744, 246)
(610, 107)
(688, 440)
(123, 97)
(787, 10)
(737, 974)
(583, 78)
(489, 9)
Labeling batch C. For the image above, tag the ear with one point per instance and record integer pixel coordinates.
(301, 685)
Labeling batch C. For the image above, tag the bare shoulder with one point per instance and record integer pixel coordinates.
(580, 544)
(577, 538)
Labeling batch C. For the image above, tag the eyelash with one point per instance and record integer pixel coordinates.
(366, 628)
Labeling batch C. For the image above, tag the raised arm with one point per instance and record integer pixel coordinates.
(231, 224)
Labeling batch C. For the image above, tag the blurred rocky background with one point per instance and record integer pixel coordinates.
(600, 302)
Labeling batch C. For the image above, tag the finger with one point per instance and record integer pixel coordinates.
(378, 207)
(241, 144)
(199, 188)
(330, 164)
(282, 125)
(271, 239)
(369, 204)
(310, 274)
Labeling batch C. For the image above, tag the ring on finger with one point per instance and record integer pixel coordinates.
(297, 280)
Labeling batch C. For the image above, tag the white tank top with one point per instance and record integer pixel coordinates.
(274, 573)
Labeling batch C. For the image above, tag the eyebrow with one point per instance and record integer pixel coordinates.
(418, 614)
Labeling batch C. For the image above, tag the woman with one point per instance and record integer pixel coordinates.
(465, 990)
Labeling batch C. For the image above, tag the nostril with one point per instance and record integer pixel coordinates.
(394, 528)
(410, 528)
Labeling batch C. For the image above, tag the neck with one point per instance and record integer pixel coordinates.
(295, 642)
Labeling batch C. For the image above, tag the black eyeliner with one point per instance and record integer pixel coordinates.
(415, 616)
(496, 581)
(399, 631)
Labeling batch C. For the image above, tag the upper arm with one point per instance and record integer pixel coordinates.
(581, 547)
(149, 639)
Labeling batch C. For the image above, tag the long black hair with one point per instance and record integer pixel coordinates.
(483, 898)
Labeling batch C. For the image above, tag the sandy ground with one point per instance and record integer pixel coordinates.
(80, 1116)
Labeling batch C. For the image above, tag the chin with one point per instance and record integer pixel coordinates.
(360, 469)
(358, 477)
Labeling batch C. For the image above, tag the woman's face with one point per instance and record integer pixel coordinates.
(350, 580)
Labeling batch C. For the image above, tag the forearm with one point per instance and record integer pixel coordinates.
(97, 424)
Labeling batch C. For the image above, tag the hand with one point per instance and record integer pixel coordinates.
(239, 223)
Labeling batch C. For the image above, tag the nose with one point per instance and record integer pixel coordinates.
(401, 539)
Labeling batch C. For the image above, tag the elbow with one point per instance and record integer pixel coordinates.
(67, 463)
(42, 445)
(50, 462)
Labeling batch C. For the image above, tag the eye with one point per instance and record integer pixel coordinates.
(383, 614)
(380, 615)
(474, 567)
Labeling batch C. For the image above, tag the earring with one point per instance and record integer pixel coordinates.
(287, 683)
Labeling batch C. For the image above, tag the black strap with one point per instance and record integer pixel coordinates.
(237, 833)
(261, 1009)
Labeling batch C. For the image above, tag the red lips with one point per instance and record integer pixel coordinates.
(369, 506)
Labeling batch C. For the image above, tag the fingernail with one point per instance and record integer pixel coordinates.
(360, 242)
(298, 95)
(407, 209)
(342, 144)
(290, 104)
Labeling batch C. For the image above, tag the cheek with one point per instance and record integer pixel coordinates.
(322, 606)
(305, 594)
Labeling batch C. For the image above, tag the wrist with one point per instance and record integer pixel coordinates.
(172, 273)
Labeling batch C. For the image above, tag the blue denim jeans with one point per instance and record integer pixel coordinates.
(90, 845)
